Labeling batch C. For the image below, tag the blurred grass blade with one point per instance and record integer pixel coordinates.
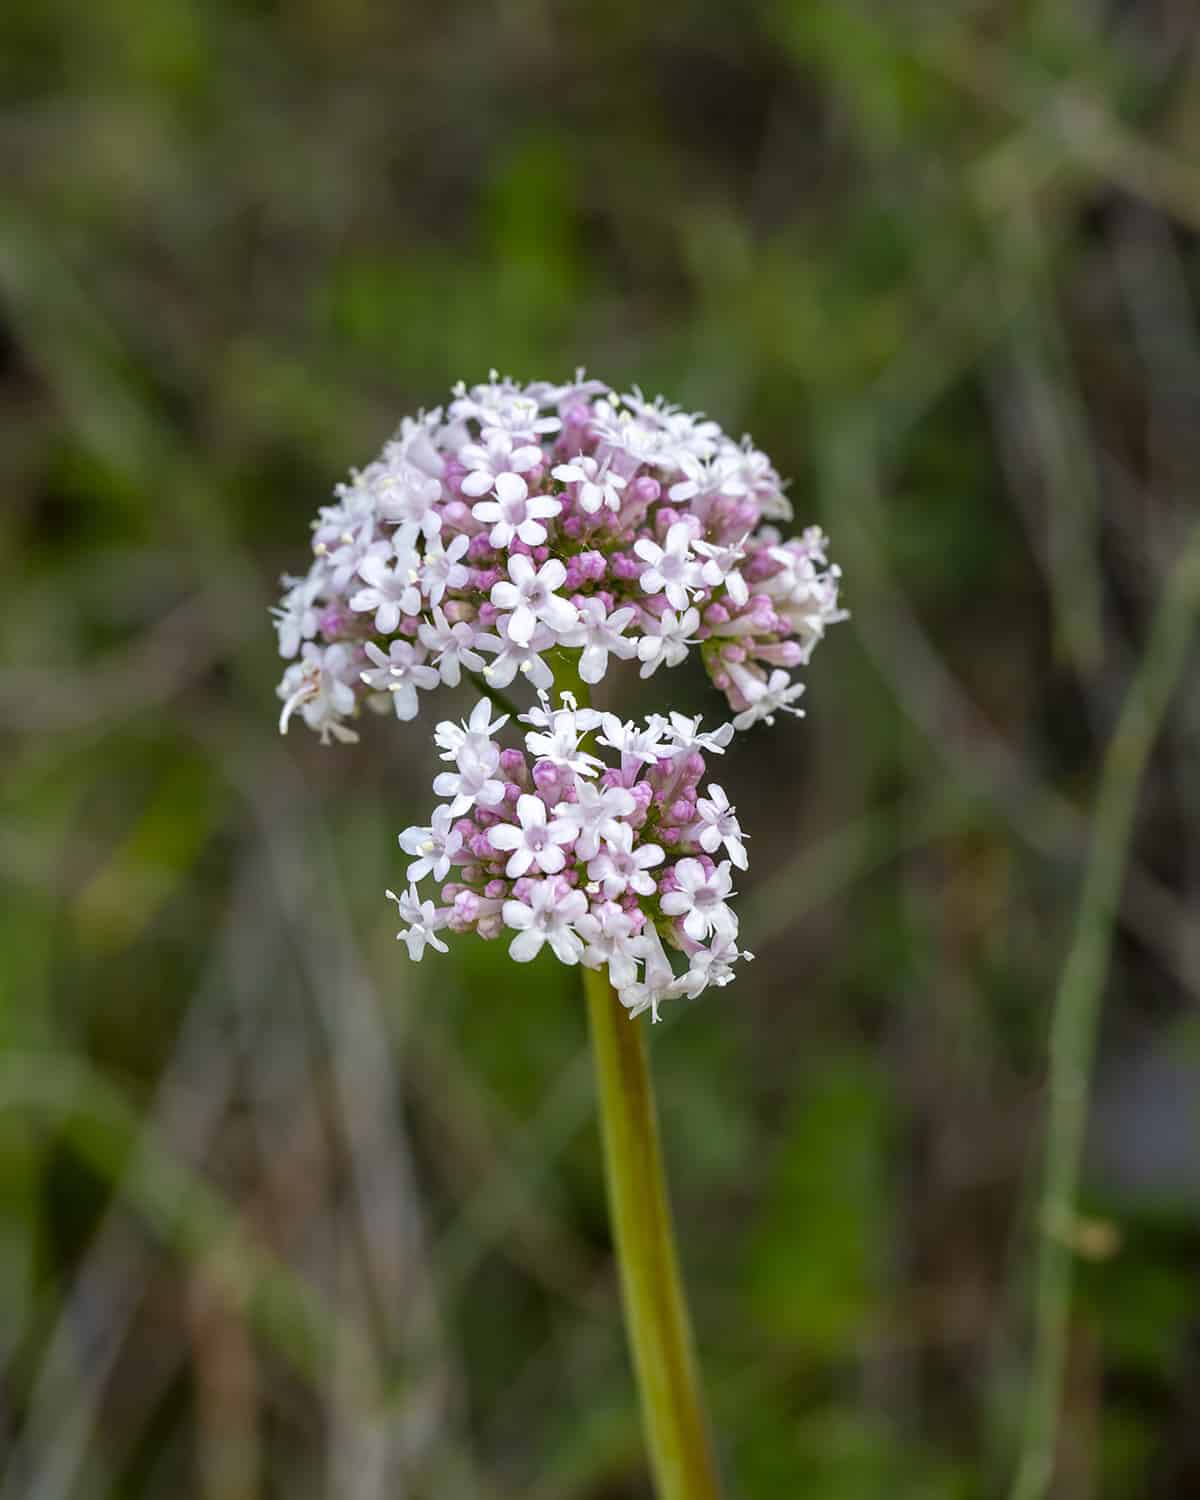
(1077, 1005)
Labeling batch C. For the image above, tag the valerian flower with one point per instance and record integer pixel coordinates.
(518, 520)
(602, 864)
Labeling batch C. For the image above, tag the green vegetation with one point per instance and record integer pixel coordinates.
(283, 1214)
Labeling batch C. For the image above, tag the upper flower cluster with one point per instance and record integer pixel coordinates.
(523, 518)
(604, 864)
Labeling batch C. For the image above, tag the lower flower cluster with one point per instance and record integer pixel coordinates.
(607, 864)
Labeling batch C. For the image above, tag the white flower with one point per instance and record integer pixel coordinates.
(702, 479)
(777, 695)
(637, 441)
(711, 965)
(796, 576)
(721, 567)
(595, 815)
(670, 645)
(435, 846)
(695, 436)
(515, 513)
(504, 407)
(634, 741)
(700, 899)
(391, 591)
(473, 735)
(425, 920)
(408, 497)
(296, 613)
(619, 867)
(530, 596)
(354, 539)
(547, 917)
(442, 568)
(475, 780)
(756, 475)
(401, 672)
(495, 456)
(317, 687)
(562, 730)
(600, 633)
(657, 982)
(686, 734)
(608, 933)
(452, 645)
(672, 569)
(542, 714)
(512, 658)
(598, 485)
(477, 756)
(716, 824)
(418, 441)
(531, 839)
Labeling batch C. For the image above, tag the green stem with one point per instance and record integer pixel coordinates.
(681, 1453)
(656, 1316)
(1077, 1006)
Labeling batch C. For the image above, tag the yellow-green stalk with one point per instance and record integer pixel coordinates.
(656, 1317)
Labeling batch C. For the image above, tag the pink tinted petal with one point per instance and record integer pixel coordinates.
(505, 836)
(566, 946)
(526, 946)
(532, 533)
(531, 810)
(592, 663)
(559, 614)
(521, 625)
(511, 487)
(543, 506)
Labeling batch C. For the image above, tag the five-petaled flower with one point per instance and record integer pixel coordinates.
(549, 916)
(699, 898)
(717, 824)
(515, 513)
(530, 596)
(672, 569)
(533, 839)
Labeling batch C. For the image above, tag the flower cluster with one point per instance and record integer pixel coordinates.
(605, 864)
(522, 518)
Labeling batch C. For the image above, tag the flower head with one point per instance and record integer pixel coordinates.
(524, 519)
(601, 871)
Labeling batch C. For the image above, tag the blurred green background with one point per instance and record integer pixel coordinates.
(284, 1215)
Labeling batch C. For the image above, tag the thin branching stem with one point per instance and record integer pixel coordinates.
(1077, 1007)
